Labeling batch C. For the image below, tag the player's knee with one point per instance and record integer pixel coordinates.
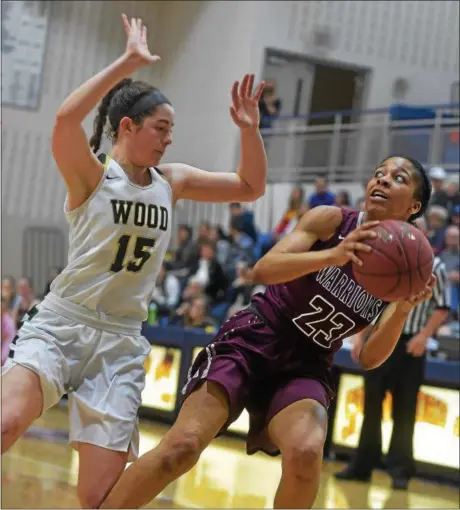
(11, 426)
(181, 453)
(302, 461)
(91, 496)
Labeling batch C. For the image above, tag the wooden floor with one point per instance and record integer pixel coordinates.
(40, 471)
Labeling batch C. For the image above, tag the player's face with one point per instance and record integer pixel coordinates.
(149, 141)
(390, 193)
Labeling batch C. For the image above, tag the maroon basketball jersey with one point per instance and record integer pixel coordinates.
(325, 307)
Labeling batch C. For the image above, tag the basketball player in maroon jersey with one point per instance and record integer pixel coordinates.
(274, 358)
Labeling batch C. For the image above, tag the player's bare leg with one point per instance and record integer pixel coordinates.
(202, 416)
(22, 403)
(299, 431)
(99, 469)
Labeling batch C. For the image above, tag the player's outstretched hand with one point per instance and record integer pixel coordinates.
(416, 299)
(347, 250)
(245, 107)
(136, 45)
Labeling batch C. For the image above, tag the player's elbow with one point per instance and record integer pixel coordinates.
(253, 193)
(64, 125)
(250, 192)
(366, 365)
(260, 274)
(367, 362)
(65, 116)
(259, 191)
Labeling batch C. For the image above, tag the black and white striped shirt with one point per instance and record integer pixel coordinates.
(419, 315)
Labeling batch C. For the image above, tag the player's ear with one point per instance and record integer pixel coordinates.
(415, 208)
(126, 124)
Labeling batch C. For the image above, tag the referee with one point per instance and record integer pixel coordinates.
(402, 374)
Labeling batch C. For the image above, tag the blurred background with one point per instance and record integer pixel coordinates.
(348, 83)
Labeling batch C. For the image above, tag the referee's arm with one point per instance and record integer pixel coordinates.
(440, 313)
(441, 298)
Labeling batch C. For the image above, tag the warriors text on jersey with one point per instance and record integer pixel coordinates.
(117, 242)
(326, 306)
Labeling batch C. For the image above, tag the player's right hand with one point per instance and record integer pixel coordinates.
(358, 343)
(348, 249)
(136, 45)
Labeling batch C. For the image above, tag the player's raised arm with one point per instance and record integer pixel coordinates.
(248, 182)
(291, 258)
(79, 167)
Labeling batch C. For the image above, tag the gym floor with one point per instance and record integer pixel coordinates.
(40, 471)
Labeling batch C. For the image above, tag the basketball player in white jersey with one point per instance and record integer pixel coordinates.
(85, 337)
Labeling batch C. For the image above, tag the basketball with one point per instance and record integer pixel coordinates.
(400, 263)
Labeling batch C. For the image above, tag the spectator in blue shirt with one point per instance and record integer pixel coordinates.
(322, 196)
(242, 244)
(451, 258)
(246, 220)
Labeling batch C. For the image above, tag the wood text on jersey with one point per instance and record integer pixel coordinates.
(151, 215)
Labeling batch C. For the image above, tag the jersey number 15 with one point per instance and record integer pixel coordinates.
(141, 253)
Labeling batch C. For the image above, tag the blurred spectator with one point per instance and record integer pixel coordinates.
(242, 244)
(439, 196)
(56, 271)
(247, 225)
(27, 299)
(187, 250)
(322, 195)
(450, 257)
(8, 330)
(455, 215)
(437, 220)
(193, 314)
(209, 273)
(242, 288)
(203, 233)
(166, 293)
(453, 197)
(296, 208)
(9, 294)
(222, 244)
(342, 199)
(269, 106)
(191, 290)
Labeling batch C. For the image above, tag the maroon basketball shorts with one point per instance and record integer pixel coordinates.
(262, 371)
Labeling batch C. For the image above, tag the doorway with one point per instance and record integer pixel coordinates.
(335, 88)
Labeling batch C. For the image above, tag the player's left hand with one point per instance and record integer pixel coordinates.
(417, 345)
(245, 107)
(416, 299)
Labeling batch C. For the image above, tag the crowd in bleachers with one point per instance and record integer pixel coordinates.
(208, 277)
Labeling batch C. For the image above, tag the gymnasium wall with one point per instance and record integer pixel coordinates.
(414, 40)
(204, 46)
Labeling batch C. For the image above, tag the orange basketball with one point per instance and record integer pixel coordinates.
(400, 263)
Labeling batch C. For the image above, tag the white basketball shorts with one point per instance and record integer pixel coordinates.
(97, 359)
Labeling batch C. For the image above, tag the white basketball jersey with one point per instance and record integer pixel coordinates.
(117, 242)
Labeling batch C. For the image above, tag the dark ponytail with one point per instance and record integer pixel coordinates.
(423, 191)
(102, 113)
